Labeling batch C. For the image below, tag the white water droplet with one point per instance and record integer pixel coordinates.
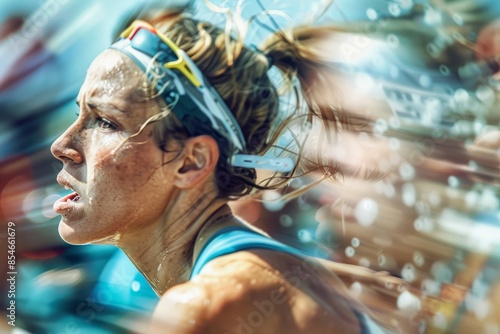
(453, 181)
(136, 286)
(430, 287)
(407, 171)
(349, 251)
(441, 272)
(271, 200)
(304, 236)
(394, 9)
(356, 288)
(355, 242)
(485, 94)
(409, 195)
(371, 14)
(286, 221)
(424, 224)
(418, 258)
(425, 81)
(364, 262)
(489, 200)
(408, 301)
(366, 211)
(439, 320)
(408, 272)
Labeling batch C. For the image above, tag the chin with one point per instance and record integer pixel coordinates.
(70, 235)
(75, 236)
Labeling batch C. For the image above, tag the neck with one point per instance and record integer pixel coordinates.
(163, 251)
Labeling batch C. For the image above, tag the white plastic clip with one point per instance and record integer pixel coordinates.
(262, 162)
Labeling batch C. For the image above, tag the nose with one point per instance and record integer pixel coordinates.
(64, 148)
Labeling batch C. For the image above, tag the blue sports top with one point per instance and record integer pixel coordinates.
(235, 238)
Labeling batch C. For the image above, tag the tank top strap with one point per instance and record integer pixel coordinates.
(233, 239)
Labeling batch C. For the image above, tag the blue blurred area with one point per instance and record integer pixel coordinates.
(46, 47)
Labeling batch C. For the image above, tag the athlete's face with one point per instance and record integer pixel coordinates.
(116, 186)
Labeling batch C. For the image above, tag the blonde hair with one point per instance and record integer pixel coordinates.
(240, 75)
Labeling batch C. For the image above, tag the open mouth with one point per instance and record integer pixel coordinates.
(74, 196)
(68, 203)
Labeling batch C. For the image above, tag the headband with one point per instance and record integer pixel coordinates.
(192, 99)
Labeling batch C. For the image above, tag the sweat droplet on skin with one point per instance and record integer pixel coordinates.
(114, 239)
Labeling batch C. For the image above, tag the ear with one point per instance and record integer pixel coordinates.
(198, 161)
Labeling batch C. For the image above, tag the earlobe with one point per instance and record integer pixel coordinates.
(200, 158)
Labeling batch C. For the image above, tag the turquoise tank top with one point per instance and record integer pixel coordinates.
(236, 238)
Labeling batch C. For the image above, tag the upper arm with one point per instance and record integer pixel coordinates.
(218, 301)
(182, 310)
(199, 308)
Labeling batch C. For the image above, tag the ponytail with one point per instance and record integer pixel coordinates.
(310, 77)
(313, 57)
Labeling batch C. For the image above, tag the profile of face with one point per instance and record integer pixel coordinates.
(119, 185)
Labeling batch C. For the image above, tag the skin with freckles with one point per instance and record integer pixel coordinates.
(95, 159)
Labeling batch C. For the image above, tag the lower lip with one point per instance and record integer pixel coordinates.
(67, 203)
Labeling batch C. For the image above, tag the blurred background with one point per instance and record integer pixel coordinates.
(420, 193)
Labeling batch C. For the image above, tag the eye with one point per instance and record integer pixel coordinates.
(104, 124)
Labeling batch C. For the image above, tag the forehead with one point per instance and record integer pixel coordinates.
(111, 75)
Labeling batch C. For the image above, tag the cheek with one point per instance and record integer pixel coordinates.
(132, 166)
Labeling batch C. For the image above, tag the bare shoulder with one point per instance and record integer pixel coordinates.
(182, 309)
(257, 291)
(220, 299)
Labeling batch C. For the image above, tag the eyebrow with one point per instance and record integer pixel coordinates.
(107, 105)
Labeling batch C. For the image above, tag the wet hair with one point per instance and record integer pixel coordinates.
(240, 75)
